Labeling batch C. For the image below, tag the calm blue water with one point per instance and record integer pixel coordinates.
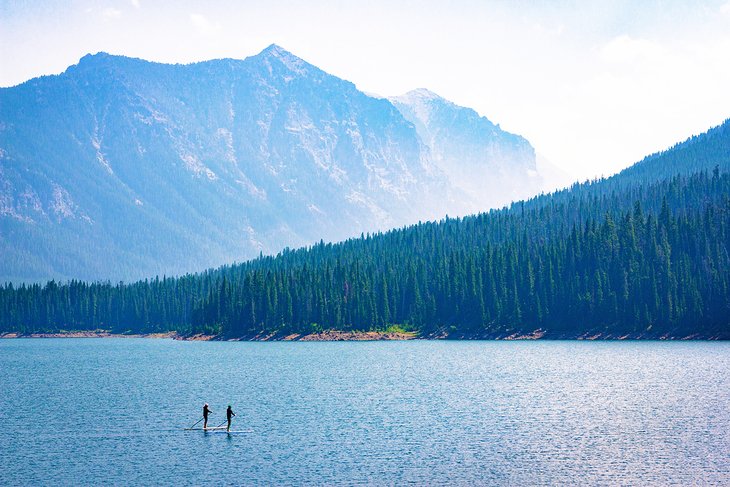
(111, 411)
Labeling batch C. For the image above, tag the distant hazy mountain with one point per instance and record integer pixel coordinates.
(552, 177)
(492, 166)
(121, 168)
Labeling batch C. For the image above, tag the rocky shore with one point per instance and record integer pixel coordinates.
(90, 334)
(330, 336)
(334, 336)
(337, 336)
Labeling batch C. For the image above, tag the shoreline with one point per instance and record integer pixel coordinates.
(88, 334)
(352, 336)
(327, 336)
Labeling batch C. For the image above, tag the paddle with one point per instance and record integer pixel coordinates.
(198, 421)
(224, 422)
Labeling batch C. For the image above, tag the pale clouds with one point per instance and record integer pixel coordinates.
(203, 25)
(111, 13)
(626, 49)
(135, 3)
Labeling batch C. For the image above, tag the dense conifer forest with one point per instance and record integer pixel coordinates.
(633, 255)
(651, 262)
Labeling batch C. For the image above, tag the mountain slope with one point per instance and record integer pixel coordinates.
(700, 152)
(643, 259)
(121, 168)
(136, 168)
(494, 167)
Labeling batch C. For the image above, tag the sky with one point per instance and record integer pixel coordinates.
(593, 85)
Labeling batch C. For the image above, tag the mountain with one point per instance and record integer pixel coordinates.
(120, 168)
(643, 254)
(494, 167)
(700, 152)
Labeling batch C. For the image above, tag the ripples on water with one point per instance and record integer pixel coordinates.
(90, 411)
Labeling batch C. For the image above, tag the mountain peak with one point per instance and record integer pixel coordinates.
(423, 93)
(421, 102)
(99, 56)
(90, 63)
(422, 99)
(276, 53)
(102, 58)
(275, 50)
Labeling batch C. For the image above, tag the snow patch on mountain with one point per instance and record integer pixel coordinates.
(62, 204)
(193, 164)
(227, 137)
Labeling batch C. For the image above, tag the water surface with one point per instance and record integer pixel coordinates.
(112, 411)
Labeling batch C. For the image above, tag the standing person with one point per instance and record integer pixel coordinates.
(206, 412)
(229, 414)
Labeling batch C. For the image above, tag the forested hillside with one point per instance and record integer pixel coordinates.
(703, 152)
(695, 154)
(649, 261)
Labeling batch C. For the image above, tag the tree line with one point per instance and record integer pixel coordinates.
(647, 260)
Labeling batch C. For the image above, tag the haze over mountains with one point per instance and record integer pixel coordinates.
(643, 254)
(121, 168)
(490, 165)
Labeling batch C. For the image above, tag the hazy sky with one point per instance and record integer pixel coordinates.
(594, 86)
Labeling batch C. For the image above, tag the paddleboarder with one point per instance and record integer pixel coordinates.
(206, 412)
(229, 415)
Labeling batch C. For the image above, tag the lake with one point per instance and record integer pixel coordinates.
(112, 411)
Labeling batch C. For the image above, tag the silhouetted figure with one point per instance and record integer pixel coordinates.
(206, 412)
(229, 415)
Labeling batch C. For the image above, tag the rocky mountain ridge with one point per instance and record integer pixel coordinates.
(121, 168)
